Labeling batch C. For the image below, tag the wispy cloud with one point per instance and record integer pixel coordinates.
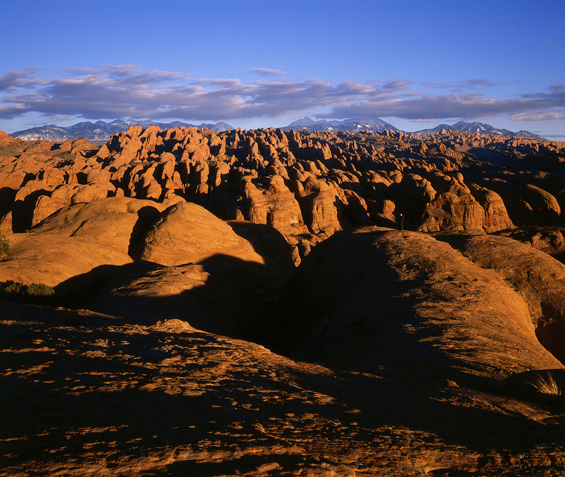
(419, 107)
(13, 80)
(114, 91)
(268, 72)
(538, 116)
(480, 82)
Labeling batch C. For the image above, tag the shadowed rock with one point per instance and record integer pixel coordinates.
(376, 298)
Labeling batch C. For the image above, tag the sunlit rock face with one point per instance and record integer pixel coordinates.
(298, 183)
(272, 302)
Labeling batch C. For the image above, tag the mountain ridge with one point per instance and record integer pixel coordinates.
(371, 123)
(100, 132)
(477, 127)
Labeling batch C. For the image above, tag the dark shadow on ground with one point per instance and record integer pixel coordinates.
(98, 387)
(83, 386)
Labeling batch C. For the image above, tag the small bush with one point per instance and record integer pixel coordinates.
(40, 289)
(546, 385)
(33, 293)
(4, 246)
(304, 236)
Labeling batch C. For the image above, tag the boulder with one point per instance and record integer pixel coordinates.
(188, 233)
(117, 222)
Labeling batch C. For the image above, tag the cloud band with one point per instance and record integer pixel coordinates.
(113, 91)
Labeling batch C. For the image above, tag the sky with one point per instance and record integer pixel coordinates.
(412, 63)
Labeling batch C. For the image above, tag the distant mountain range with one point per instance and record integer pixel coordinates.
(371, 123)
(375, 124)
(480, 128)
(100, 131)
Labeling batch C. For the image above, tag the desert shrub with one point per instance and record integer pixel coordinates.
(33, 293)
(303, 236)
(40, 289)
(12, 288)
(546, 385)
(4, 246)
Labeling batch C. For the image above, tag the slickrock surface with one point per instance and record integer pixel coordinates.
(377, 297)
(117, 222)
(53, 259)
(537, 277)
(188, 233)
(91, 394)
(268, 302)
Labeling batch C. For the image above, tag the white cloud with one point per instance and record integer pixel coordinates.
(538, 116)
(115, 91)
(268, 72)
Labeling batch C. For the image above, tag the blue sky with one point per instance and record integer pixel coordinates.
(253, 64)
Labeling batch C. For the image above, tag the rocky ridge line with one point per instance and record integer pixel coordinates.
(307, 186)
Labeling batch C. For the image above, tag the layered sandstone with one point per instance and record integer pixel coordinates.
(183, 261)
(298, 183)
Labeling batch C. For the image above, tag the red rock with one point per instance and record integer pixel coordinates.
(275, 206)
(450, 211)
(12, 180)
(115, 222)
(54, 258)
(188, 233)
(359, 301)
(47, 205)
(536, 275)
(531, 205)
(322, 208)
(496, 215)
(5, 138)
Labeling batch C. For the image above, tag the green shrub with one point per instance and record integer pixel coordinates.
(40, 289)
(33, 293)
(4, 246)
(304, 235)
(12, 288)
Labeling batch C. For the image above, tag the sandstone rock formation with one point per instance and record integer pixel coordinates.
(187, 233)
(53, 259)
(535, 275)
(298, 183)
(115, 222)
(379, 298)
(432, 340)
(184, 260)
